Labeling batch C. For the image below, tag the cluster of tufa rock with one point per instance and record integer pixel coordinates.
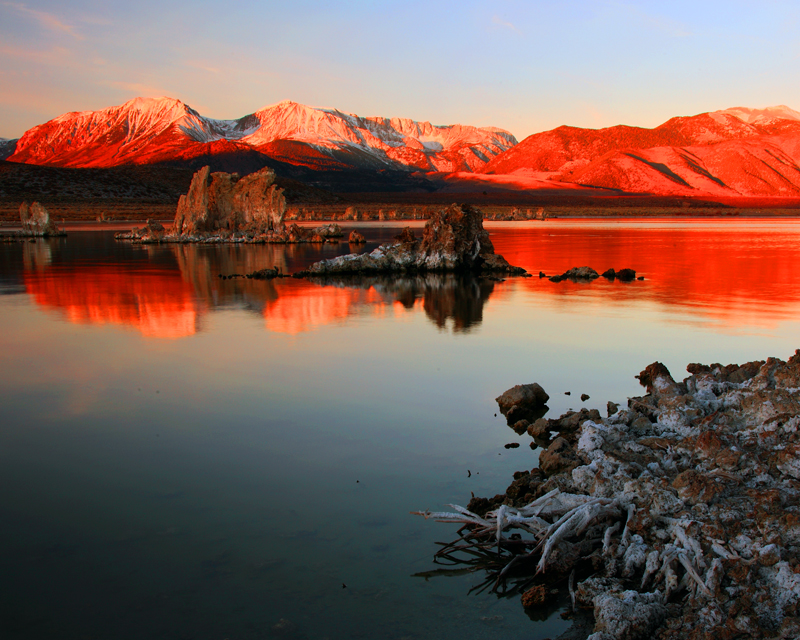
(680, 514)
(453, 240)
(587, 274)
(36, 221)
(225, 208)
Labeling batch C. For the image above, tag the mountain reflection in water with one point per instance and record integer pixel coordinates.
(229, 483)
(168, 296)
(726, 271)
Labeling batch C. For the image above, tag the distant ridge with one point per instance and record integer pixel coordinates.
(158, 130)
(733, 152)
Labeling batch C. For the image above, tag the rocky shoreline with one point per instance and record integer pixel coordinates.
(675, 517)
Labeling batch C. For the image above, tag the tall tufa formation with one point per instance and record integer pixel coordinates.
(219, 202)
(36, 220)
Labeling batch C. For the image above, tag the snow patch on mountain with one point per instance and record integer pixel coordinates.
(152, 129)
(760, 116)
(330, 129)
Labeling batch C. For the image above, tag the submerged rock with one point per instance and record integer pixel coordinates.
(453, 240)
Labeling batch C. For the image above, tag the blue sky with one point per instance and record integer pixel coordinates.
(522, 66)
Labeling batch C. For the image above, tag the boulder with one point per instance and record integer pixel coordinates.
(626, 275)
(36, 220)
(225, 202)
(332, 230)
(453, 240)
(559, 457)
(577, 274)
(522, 401)
(356, 238)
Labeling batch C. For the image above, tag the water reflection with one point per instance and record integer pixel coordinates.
(735, 273)
(168, 290)
(159, 303)
(455, 301)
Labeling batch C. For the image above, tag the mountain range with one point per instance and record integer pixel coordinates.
(156, 130)
(729, 153)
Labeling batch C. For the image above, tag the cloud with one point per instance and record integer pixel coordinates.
(46, 20)
(141, 90)
(502, 23)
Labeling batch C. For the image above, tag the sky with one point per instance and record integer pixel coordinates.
(521, 66)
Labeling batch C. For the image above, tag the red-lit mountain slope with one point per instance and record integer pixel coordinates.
(154, 130)
(740, 151)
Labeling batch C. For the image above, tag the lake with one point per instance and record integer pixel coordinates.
(186, 456)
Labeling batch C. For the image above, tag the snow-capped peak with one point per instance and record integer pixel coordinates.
(333, 128)
(761, 116)
(149, 127)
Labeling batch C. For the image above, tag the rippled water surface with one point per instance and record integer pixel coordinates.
(186, 456)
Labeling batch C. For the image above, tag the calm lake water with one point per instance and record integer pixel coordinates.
(184, 456)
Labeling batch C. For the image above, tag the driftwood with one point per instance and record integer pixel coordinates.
(510, 539)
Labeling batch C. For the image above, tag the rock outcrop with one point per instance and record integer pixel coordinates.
(682, 509)
(453, 240)
(626, 275)
(356, 238)
(577, 274)
(225, 202)
(36, 220)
